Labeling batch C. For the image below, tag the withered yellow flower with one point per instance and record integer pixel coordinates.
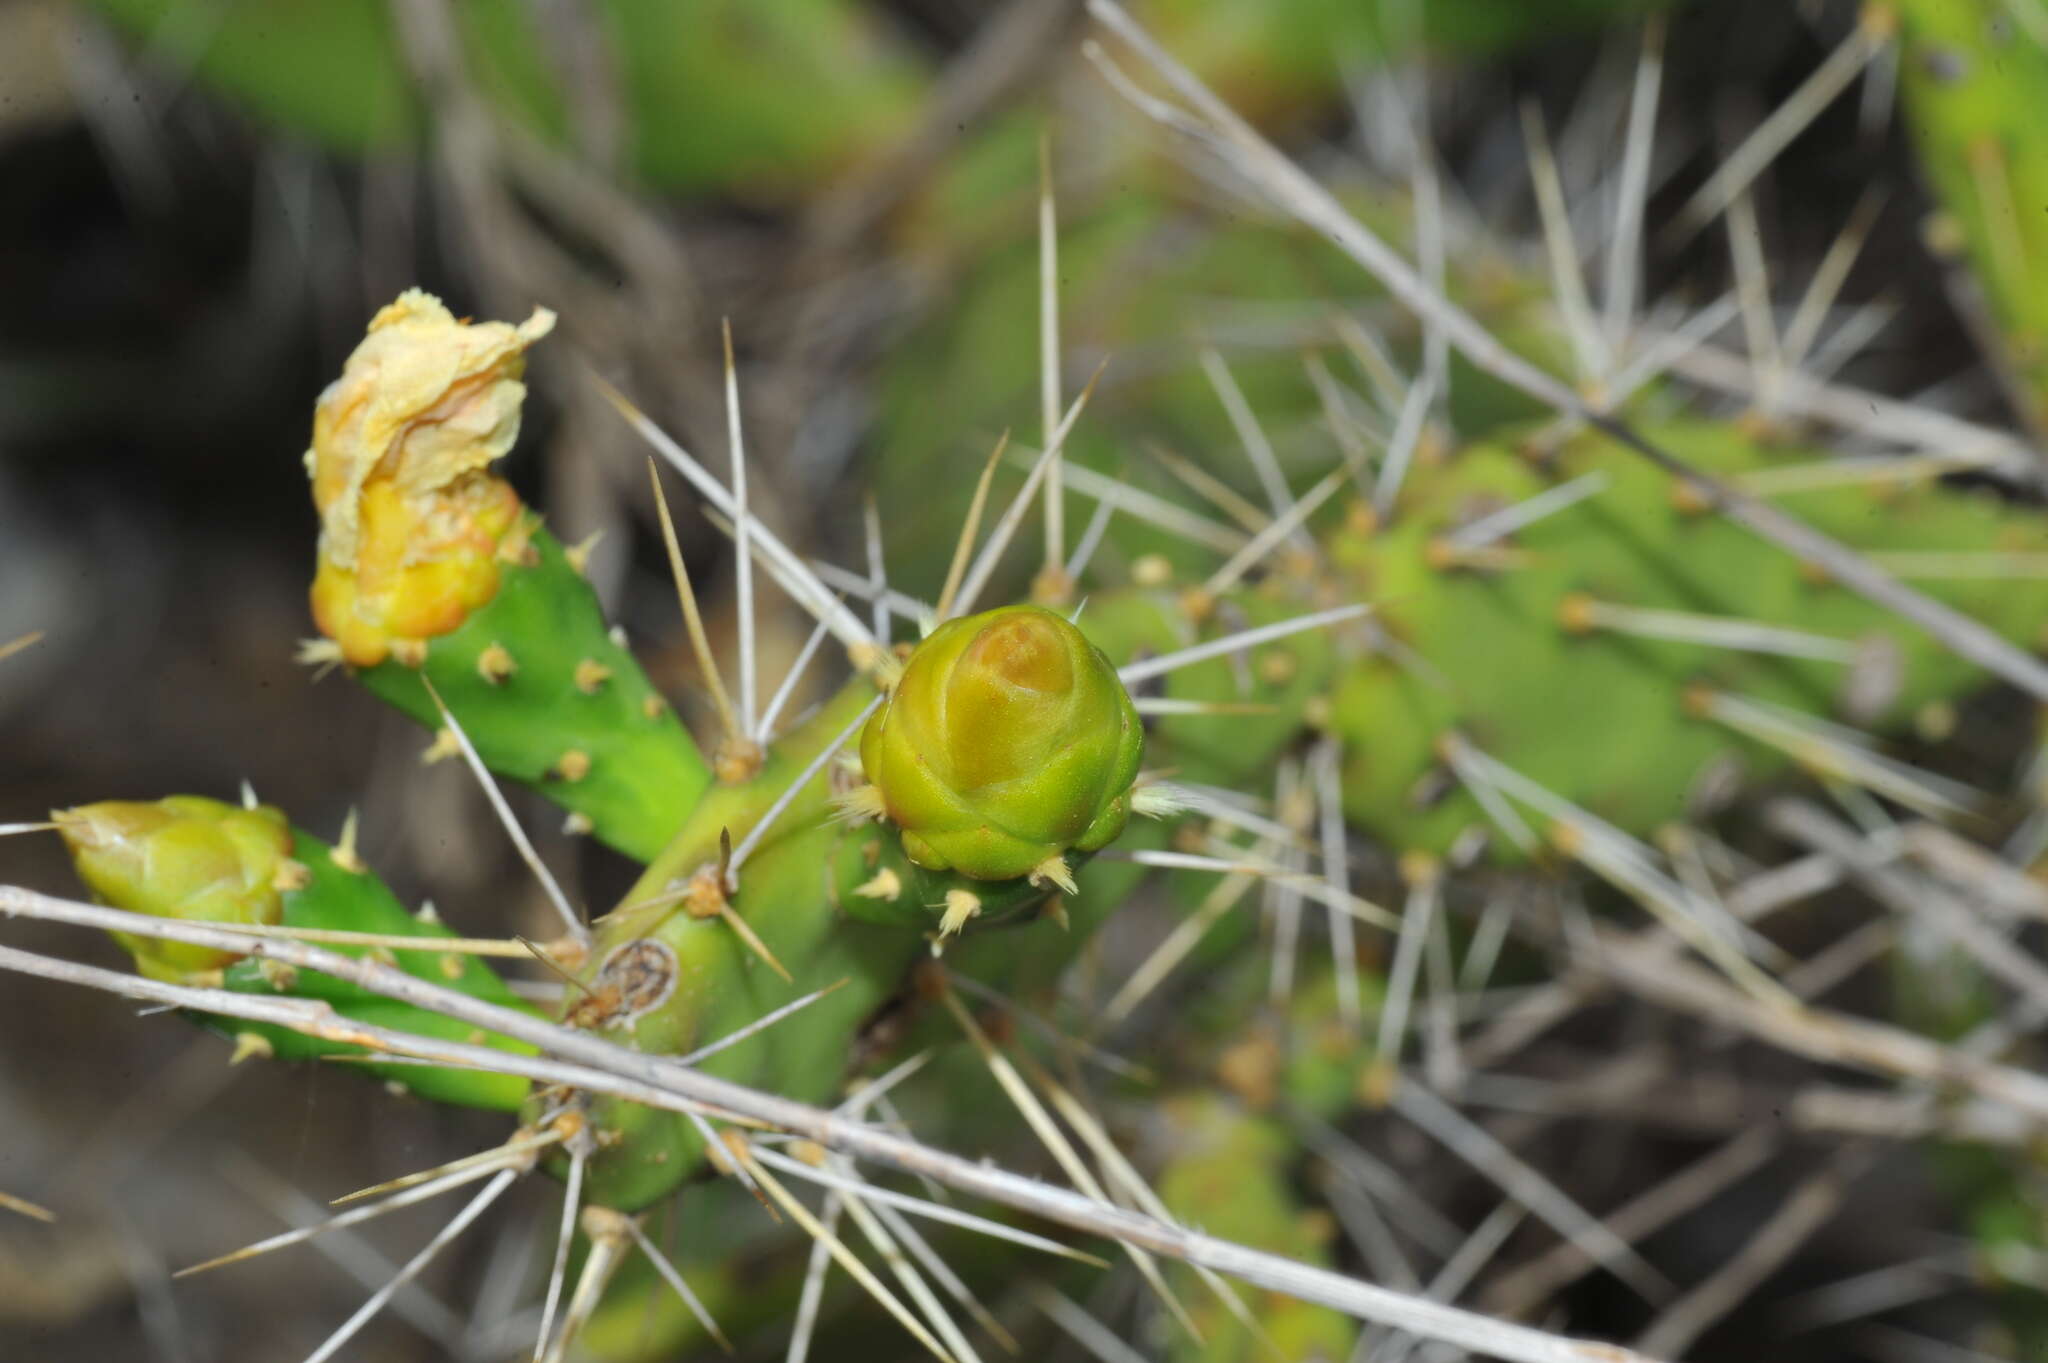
(413, 525)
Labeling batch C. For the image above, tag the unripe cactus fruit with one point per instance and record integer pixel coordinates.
(1008, 742)
(186, 857)
(413, 526)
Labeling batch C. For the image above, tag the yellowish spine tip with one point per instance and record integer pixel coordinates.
(1565, 838)
(961, 906)
(884, 885)
(1056, 909)
(409, 652)
(1419, 868)
(1152, 570)
(1935, 721)
(1197, 604)
(291, 875)
(1696, 699)
(1054, 869)
(444, 746)
(591, 675)
(1279, 666)
(1943, 234)
(578, 554)
(653, 706)
(451, 966)
(862, 804)
(1052, 587)
(322, 653)
(704, 893)
(572, 766)
(250, 1044)
(1688, 500)
(1575, 613)
(344, 854)
(578, 824)
(1377, 1082)
(495, 664)
(736, 761)
(281, 978)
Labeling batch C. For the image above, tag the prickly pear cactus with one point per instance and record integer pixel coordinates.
(1355, 628)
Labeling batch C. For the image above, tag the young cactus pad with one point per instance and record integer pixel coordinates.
(1008, 742)
(430, 570)
(203, 861)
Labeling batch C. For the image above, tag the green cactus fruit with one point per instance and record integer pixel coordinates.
(1008, 742)
(431, 571)
(203, 861)
(185, 857)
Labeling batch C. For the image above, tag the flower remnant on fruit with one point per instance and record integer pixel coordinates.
(414, 527)
(1008, 742)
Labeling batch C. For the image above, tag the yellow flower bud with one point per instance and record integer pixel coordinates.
(1008, 741)
(184, 857)
(413, 525)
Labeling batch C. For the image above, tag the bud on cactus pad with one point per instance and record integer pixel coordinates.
(1008, 741)
(185, 857)
(413, 526)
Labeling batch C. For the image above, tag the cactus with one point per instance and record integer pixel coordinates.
(202, 861)
(1561, 649)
